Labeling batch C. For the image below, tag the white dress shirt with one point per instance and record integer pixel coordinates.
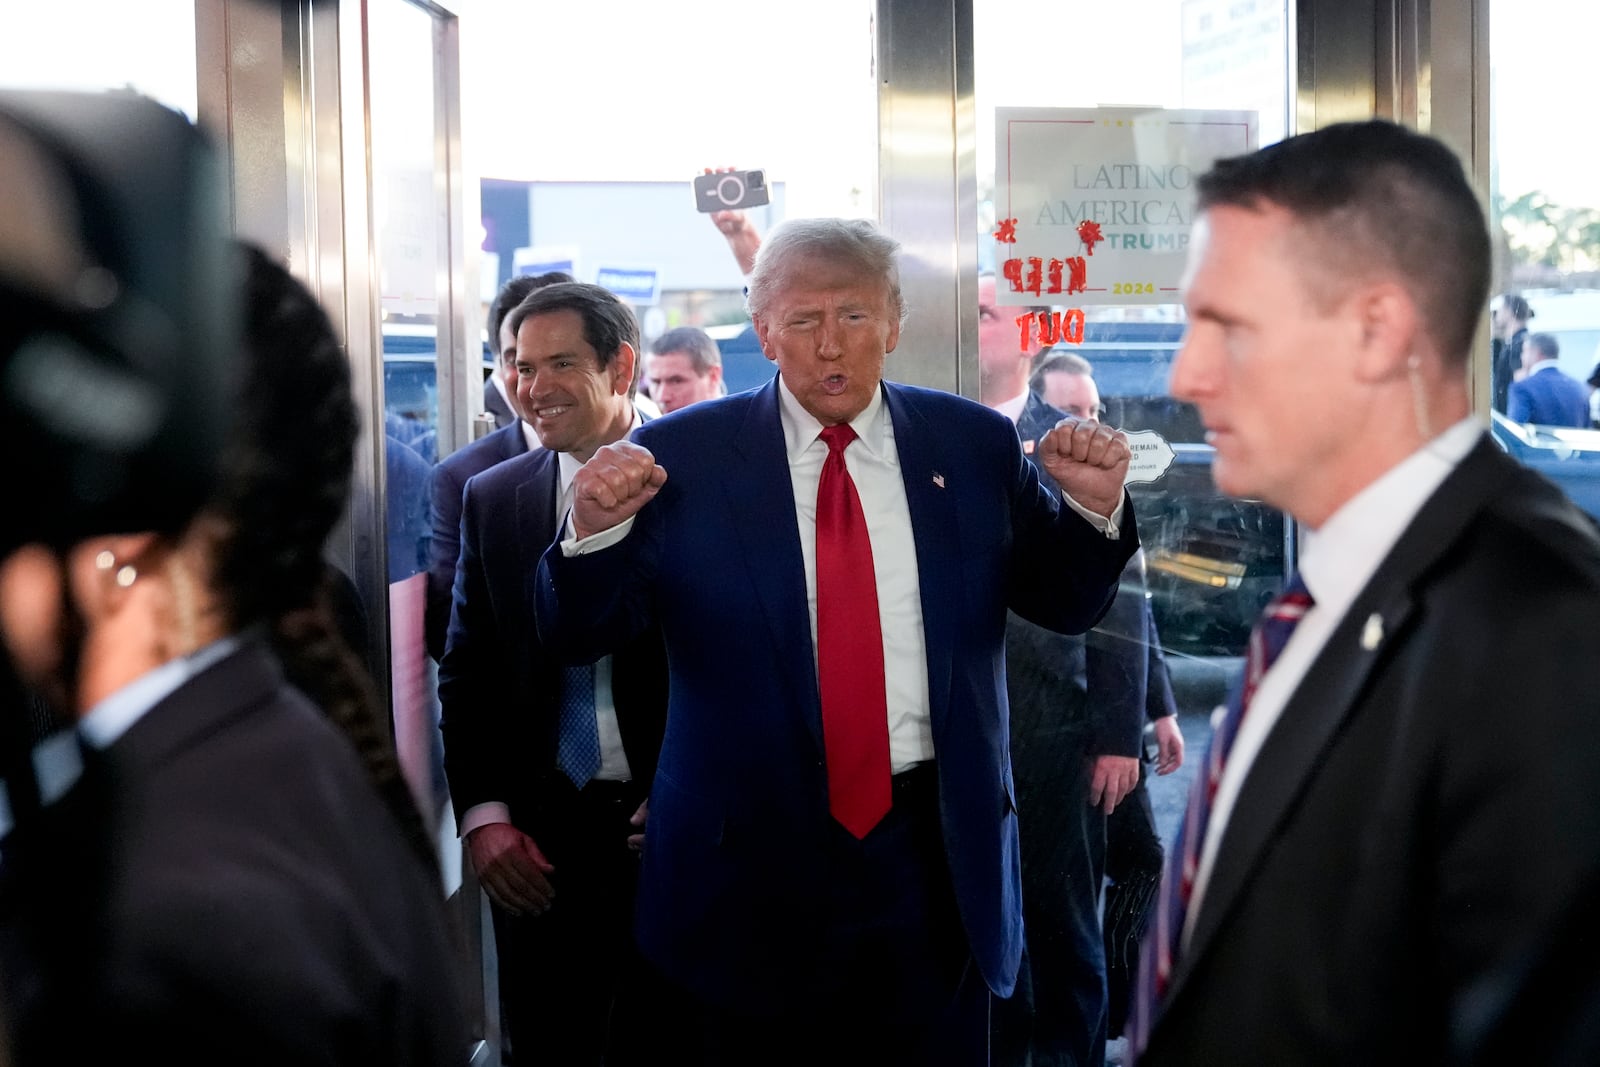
(1012, 409)
(1337, 563)
(874, 466)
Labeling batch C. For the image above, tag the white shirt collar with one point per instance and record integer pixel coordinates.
(1545, 364)
(569, 463)
(112, 717)
(1341, 557)
(1012, 409)
(801, 429)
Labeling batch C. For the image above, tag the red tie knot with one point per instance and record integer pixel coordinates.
(838, 438)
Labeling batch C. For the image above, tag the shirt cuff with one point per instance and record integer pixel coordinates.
(490, 811)
(573, 545)
(1111, 527)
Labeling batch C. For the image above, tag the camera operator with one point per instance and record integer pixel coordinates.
(218, 868)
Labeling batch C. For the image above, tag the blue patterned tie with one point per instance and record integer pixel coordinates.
(578, 737)
(1159, 954)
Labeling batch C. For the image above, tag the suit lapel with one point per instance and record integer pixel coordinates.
(536, 517)
(1333, 688)
(761, 497)
(935, 528)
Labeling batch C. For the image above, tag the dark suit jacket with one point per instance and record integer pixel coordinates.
(1426, 805)
(499, 688)
(1093, 685)
(1549, 398)
(445, 484)
(255, 900)
(496, 405)
(730, 885)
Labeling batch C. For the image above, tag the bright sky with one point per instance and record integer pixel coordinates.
(657, 89)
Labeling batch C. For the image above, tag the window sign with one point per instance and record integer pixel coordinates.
(1094, 205)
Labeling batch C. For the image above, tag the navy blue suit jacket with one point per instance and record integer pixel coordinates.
(1549, 398)
(445, 484)
(499, 688)
(731, 883)
(496, 405)
(1097, 679)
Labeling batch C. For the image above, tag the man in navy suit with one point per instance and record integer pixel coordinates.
(830, 869)
(1545, 395)
(1409, 801)
(549, 768)
(449, 477)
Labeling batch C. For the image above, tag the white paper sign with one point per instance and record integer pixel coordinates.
(1094, 205)
(1151, 457)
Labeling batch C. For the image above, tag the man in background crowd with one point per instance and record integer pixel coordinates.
(684, 367)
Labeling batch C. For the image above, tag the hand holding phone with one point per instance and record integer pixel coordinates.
(732, 190)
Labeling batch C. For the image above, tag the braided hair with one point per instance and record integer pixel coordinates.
(285, 479)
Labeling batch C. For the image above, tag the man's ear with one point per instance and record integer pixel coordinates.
(622, 369)
(1388, 326)
(762, 327)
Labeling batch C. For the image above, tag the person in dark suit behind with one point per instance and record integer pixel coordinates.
(1126, 849)
(237, 867)
(512, 438)
(1077, 705)
(830, 869)
(550, 769)
(1410, 797)
(1545, 395)
(1134, 851)
(1508, 324)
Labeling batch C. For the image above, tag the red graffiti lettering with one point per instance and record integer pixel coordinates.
(1025, 324)
(1049, 327)
(1054, 274)
(1007, 233)
(1035, 275)
(1072, 326)
(1078, 281)
(1012, 269)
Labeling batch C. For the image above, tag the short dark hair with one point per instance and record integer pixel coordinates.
(693, 342)
(1545, 344)
(1375, 194)
(1516, 307)
(608, 324)
(1050, 362)
(513, 293)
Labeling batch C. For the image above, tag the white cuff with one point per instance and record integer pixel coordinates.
(1111, 527)
(490, 811)
(573, 545)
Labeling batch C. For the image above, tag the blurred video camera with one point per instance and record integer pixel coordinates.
(731, 190)
(117, 311)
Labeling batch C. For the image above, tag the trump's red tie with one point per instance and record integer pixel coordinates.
(855, 717)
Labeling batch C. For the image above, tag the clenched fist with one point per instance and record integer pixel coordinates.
(618, 480)
(1089, 460)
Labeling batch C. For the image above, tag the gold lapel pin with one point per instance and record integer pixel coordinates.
(1372, 632)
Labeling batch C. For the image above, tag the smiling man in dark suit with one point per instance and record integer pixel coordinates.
(830, 870)
(1409, 797)
(550, 768)
(449, 477)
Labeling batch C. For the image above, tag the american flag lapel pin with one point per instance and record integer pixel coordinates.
(938, 479)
